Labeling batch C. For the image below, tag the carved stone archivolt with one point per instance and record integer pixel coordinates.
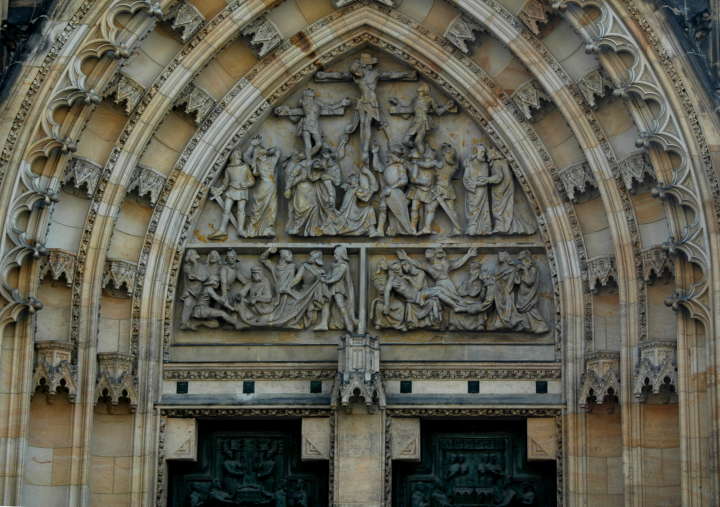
(656, 372)
(600, 383)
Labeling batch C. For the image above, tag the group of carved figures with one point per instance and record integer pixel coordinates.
(421, 294)
(400, 195)
(275, 293)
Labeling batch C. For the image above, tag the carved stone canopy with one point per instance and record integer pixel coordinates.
(656, 372)
(600, 383)
(54, 373)
(358, 378)
(115, 381)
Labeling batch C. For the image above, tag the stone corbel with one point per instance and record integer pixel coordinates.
(147, 181)
(656, 262)
(265, 35)
(533, 14)
(460, 32)
(358, 378)
(594, 85)
(54, 372)
(635, 168)
(577, 179)
(82, 172)
(115, 381)
(58, 263)
(529, 97)
(196, 102)
(656, 373)
(118, 273)
(600, 270)
(600, 384)
(186, 19)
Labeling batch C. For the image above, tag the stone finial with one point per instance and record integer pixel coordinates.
(115, 381)
(82, 172)
(186, 20)
(58, 263)
(533, 14)
(265, 35)
(594, 85)
(126, 91)
(600, 270)
(54, 372)
(577, 179)
(601, 381)
(147, 181)
(635, 168)
(118, 273)
(655, 262)
(529, 98)
(656, 372)
(358, 377)
(196, 102)
(460, 32)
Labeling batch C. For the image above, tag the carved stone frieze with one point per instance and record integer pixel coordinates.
(115, 381)
(577, 179)
(58, 263)
(263, 34)
(186, 19)
(358, 378)
(656, 372)
(147, 181)
(471, 374)
(529, 98)
(600, 270)
(656, 262)
(594, 85)
(635, 169)
(127, 91)
(54, 372)
(196, 102)
(119, 273)
(197, 373)
(600, 383)
(460, 32)
(81, 172)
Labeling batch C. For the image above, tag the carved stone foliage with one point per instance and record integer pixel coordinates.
(635, 169)
(274, 290)
(594, 85)
(196, 102)
(600, 271)
(118, 274)
(358, 378)
(460, 32)
(577, 179)
(492, 294)
(58, 263)
(81, 172)
(656, 372)
(126, 91)
(115, 381)
(54, 373)
(147, 182)
(600, 384)
(656, 262)
(263, 34)
(186, 19)
(529, 98)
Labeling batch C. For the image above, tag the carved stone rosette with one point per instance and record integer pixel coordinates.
(656, 372)
(601, 381)
(358, 377)
(115, 380)
(54, 372)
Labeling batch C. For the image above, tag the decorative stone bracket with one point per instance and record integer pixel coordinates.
(118, 273)
(577, 179)
(600, 384)
(358, 377)
(264, 34)
(147, 181)
(54, 372)
(529, 97)
(656, 372)
(600, 270)
(58, 263)
(83, 172)
(460, 32)
(115, 380)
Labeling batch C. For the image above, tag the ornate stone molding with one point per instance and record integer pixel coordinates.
(118, 273)
(81, 172)
(125, 91)
(529, 97)
(147, 181)
(473, 412)
(196, 102)
(533, 14)
(115, 381)
(577, 179)
(472, 374)
(656, 371)
(358, 377)
(460, 32)
(600, 271)
(54, 372)
(594, 85)
(265, 35)
(186, 19)
(635, 168)
(601, 381)
(656, 261)
(58, 263)
(170, 373)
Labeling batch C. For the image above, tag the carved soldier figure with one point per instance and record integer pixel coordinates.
(477, 198)
(365, 75)
(422, 181)
(340, 286)
(264, 193)
(527, 295)
(230, 272)
(505, 218)
(443, 192)
(258, 294)
(308, 112)
(392, 196)
(204, 309)
(233, 192)
(195, 273)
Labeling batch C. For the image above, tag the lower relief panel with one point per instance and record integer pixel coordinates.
(474, 463)
(248, 463)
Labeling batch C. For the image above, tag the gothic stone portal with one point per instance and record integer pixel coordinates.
(248, 463)
(478, 464)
